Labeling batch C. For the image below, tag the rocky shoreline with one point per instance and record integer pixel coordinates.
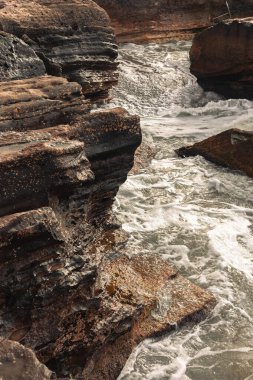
(69, 291)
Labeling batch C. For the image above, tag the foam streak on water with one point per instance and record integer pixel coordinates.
(190, 212)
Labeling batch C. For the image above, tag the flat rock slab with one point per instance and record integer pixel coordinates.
(232, 149)
(154, 299)
(222, 58)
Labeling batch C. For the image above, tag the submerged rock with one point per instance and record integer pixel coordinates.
(222, 58)
(232, 149)
(145, 20)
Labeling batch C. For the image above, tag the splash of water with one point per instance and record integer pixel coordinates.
(190, 212)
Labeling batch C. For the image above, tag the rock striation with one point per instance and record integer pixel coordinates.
(73, 39)
(232, 149)
(67, 289)
(222, 58)
(145, 20)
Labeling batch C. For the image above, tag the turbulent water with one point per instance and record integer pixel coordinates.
(190, 212)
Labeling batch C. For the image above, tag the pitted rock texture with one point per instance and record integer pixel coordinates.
(232, 149)
(40, 102)
(20, 363)
(67, 290)
(136, 287)
(222, 58)
(17, 59)
(73, 38)
(144, 20)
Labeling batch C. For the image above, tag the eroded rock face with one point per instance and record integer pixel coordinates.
(20, 363)
(17, 59)
(137, 288)
(144, 20)
(232, 149)
(67, 290)
(222, 58)
(73, 38)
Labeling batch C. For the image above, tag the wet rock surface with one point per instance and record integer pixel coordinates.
(232, 149)
(144, 20)
(222, 60)
(67, 290)
(20, 363)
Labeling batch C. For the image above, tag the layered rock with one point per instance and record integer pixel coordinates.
(67, 290)
(144, 20)
(74, 39)
(232, 149)
(222, 58)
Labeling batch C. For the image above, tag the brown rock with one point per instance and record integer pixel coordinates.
(20, 363)
(67, 290)
(153, 298)
(39, 102)
(222, 60)
(143, 157)
(73, 38)
(145, 20)
(232, 149)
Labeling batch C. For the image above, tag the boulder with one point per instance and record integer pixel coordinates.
(232, 149)
(222, 58)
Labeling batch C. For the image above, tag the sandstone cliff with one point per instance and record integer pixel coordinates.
(222, 58)
(144, 20)
(67, 289)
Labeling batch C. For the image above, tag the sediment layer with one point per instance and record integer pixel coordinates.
(146, 20)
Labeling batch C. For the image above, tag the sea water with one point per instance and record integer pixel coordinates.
(190, 212)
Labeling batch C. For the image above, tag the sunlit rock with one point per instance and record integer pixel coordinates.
(232, 149)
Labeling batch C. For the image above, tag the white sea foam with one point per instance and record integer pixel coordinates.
(190, 212)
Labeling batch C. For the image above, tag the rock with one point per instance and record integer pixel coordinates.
(143, 157)
(145, 20)
(232, 149)
(40, 102)
(17, 59)
(153, 298)
(222, 60)
(20, 363)
(73, 38)
(67, 289)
